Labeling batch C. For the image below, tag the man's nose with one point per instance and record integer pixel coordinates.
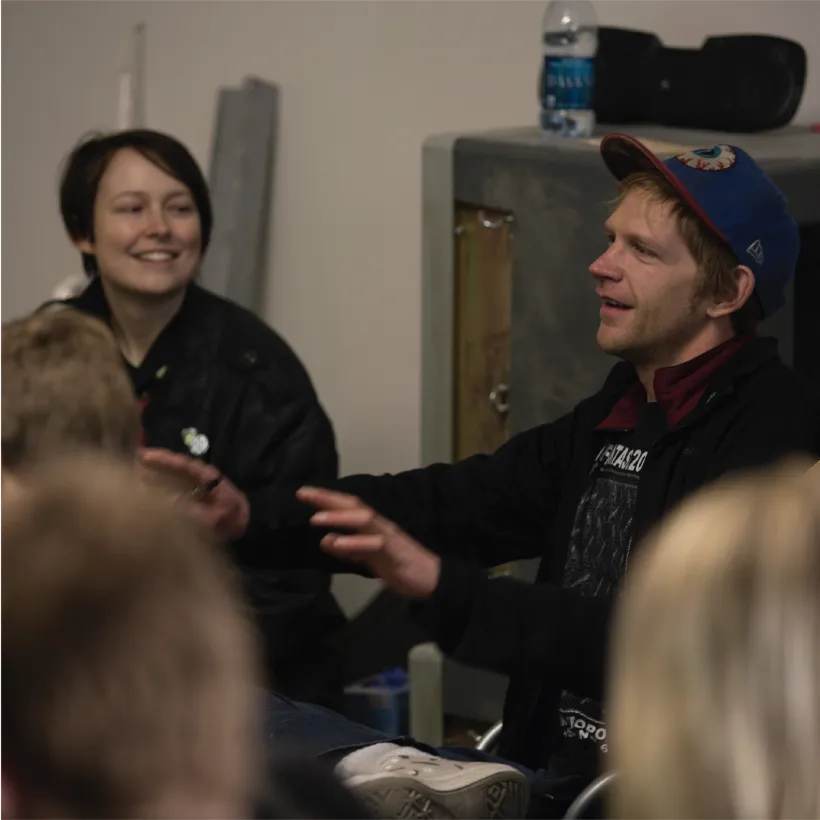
(606, 265)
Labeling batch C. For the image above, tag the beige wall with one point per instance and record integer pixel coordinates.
(363, 83)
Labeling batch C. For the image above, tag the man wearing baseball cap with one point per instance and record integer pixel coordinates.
(702, 246)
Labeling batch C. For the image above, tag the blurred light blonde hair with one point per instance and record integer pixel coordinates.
(65, 388)
(714, 698)
(130, 670)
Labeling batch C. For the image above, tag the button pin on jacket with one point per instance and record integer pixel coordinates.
(196, 442)
(249, 359)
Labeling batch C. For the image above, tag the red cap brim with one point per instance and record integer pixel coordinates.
(625, 155)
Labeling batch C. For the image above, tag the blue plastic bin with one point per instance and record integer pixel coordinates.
(381, 701)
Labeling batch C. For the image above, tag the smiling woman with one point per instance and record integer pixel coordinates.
(136, 206)
(213, 380)
(112, 186)
(148, 234)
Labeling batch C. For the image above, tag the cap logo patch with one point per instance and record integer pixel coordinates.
(717, 158)
(755, 250)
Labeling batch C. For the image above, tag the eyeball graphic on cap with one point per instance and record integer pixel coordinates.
(717, 158)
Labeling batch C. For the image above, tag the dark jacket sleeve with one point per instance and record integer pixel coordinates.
(486, 509)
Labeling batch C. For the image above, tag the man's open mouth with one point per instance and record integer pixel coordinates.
(611, 303)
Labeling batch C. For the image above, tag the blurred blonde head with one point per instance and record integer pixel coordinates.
(65, 388)
(714, 698)
(129, 667)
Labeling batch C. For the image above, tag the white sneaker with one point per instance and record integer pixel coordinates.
(418, 785)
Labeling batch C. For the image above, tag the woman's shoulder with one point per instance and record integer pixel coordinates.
(247, 341)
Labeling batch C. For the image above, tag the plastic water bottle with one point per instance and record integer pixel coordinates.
(570, 40)
(426, 695)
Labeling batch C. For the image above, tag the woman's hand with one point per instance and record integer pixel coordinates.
(225, 508)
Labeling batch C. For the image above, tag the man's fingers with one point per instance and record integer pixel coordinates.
(359, 543)
(328, 499)
(347, 519)
(347, 551)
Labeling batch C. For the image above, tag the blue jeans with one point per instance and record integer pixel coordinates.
(314, 731)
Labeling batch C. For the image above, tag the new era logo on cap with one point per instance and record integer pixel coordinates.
(755, 250)
(733, 197)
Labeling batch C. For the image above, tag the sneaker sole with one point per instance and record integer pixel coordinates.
(500, 796)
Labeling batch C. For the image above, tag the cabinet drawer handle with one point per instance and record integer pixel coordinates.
(500, 398)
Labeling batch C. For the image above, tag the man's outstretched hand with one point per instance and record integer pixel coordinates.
(388, 552)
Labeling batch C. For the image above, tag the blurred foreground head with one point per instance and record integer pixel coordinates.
(715, 693)
(65, 388)
(129, 670)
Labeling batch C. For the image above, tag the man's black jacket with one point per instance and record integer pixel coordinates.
(521, 502)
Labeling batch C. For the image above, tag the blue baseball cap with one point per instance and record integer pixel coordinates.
(734, 198)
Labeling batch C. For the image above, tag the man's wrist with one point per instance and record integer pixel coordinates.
(432, 575)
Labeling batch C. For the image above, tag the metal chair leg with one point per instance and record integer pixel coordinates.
(487, 742)
(589, 795)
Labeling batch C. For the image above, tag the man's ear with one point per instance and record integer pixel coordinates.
(731, 303)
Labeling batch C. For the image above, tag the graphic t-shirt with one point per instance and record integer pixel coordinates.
(597, 559)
